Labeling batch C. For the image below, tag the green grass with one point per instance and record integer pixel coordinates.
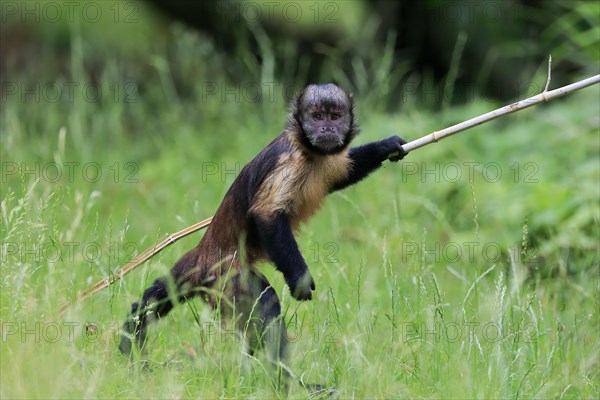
(408, 303)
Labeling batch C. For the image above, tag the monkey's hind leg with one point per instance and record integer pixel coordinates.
(262, 324)
(264, 328)
(156, 303)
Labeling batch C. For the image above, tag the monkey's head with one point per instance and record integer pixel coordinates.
(323, 117)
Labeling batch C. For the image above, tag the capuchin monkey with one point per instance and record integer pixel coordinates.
(277, 191)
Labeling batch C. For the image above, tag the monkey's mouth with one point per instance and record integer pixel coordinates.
(327, 141)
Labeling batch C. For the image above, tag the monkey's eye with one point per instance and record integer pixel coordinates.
(317, 116)
(335, 116)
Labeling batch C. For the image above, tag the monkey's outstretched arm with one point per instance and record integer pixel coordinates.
(367, 158)
(278, 240)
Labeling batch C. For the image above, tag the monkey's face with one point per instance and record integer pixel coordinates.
(324, 113)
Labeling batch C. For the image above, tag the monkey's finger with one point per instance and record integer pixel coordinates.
(396, 156)
(302, 296)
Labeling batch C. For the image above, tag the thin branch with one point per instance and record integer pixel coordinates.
(408, 147)
(511, 108)
(549, 74)
(139, 259)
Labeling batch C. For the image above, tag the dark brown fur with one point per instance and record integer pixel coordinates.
(282, 187)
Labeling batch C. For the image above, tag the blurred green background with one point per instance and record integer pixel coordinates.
(469, 270)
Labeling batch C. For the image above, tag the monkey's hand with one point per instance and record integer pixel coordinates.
(393, 148)
(301, 285)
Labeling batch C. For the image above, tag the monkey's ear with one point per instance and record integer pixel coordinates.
(351, 105)
(294, 105)
(293, 117)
